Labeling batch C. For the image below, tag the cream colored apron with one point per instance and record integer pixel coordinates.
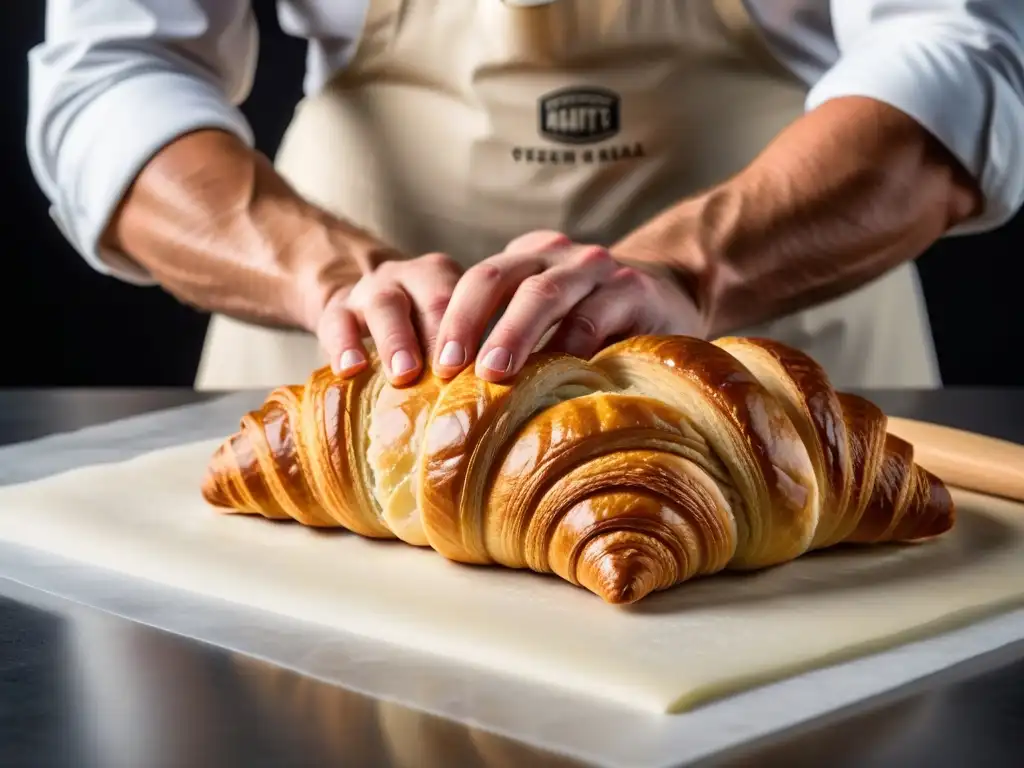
(461, 124)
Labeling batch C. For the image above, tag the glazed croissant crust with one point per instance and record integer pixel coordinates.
(659, 460)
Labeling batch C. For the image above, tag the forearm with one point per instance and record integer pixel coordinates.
(216, 226)
(846, 193)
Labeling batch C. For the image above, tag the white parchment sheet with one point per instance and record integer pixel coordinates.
(595, 731)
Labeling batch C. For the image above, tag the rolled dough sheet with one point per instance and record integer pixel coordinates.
(144, 517)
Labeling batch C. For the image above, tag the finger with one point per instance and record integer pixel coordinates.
(341, 338)
(619, 308)
(540, 303)
(539, 240)
(431, 292)
(478, 295)
(389, 320)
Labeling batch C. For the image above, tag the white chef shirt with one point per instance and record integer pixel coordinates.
(116, 80)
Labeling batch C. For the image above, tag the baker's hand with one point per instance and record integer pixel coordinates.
(547, 280)
(400, 305)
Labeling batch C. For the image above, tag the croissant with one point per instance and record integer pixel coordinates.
(659, 460)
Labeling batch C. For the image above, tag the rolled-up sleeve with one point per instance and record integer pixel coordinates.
(956, 67)
(112, 83)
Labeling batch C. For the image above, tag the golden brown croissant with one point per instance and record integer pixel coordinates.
(659, 460)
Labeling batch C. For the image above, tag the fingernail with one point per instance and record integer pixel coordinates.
(350, 358)
(498, 359)
(453, 354)
(402, 362)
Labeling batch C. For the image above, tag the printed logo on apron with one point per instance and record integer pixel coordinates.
(579, 115)
(575, 117)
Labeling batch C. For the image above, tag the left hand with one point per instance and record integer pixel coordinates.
(548, 280)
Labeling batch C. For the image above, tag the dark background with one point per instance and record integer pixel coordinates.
(64, 325)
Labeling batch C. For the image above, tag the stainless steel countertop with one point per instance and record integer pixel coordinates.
(162, 700)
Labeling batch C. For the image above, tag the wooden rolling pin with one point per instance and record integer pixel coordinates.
(964, 459)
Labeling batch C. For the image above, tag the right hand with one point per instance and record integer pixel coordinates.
(399, 305)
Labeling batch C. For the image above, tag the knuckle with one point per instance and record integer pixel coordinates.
(394, 338)
(355, 302)
(485, 272)
(337, 314)
(391, 294)
(336, 303)
(594, 256)
(431, 317)
(436, 260)
(437, 305)
(582, 326)
(546, 239)
(543, 287)
(457, 324)
(629, 277)
(360, 290)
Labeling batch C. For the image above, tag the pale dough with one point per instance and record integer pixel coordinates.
(145, 518)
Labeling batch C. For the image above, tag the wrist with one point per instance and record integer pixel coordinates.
(323, 257)
(677, 244)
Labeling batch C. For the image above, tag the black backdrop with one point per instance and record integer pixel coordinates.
(64, 325)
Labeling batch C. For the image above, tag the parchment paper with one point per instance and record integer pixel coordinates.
(598, 732)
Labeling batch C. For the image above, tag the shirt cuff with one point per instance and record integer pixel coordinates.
(110, 142)
(965, 103)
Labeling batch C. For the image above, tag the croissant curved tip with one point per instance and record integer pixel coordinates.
(939, 515)
(619, 576)
(626, 592)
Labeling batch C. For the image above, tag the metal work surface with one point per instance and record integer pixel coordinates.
(79, 687)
